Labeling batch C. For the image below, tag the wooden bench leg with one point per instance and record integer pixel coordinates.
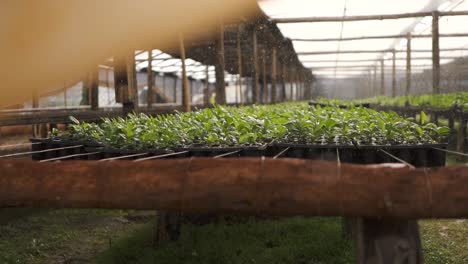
(167, 228)
(348, 227)
(381, 241)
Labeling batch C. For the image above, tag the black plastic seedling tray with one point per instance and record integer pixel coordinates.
(417, 155)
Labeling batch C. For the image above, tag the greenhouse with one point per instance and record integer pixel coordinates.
(227, 131)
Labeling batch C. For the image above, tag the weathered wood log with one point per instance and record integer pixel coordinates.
(286, 187)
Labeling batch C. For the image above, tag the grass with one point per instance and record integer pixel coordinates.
(294, 240)
(58, 236)
(445, 241)
(83, 236)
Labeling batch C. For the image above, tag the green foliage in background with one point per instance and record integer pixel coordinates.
(439, 101)
(256, 126)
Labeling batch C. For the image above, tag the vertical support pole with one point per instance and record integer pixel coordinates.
(382, 77)
(239, 64)
(273, 75)
(132, 83)
(108, 86)
(297, 84)
(206, 94)
(290, 80)
(388, 241)
(35, 104)
(150, 81)
(185, 88)
(369, 84)
(123, 79)
(256, 88)
(190, 81)
(408, 64)
(461, 134)
(394, 73)
(375, 90)
(219, 68)
(264, 78)
(65, 101)
(85, 91)
(283, 82)
(435, 53)
(94, 88)
(175, 89)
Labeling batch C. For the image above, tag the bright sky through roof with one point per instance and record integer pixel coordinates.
(336, 8)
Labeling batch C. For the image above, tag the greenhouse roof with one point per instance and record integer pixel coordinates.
(280, 9)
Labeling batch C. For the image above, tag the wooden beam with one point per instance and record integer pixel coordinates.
(364, 18)
(457, 35)
(374, 60)
(435, 54)
(150, 79)
(220, 67)
(186, 102)
(408, 64)
(274, 75)
(284, 187)
(373, 51)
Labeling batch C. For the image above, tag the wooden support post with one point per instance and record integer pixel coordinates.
(167, 228)
(121, 83)
(461, 134)
(185, 88)
(85, 90)
(256, 88)
(382, 77)
(35, 104)
(65, 101)
(175, 89)
(291, 83)
(435, 53)
(132, 84)
(94, 88)
(408, 64)
(190, 80)
(382, 241)
(264, 79)
(273, 75)
(219, 68)
(284, 73)
(150, 81)
(206, 94)
(374, 88)
(394, 74)
(239, 64)
(369, 84)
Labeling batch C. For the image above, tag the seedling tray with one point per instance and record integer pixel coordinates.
(417, 155)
